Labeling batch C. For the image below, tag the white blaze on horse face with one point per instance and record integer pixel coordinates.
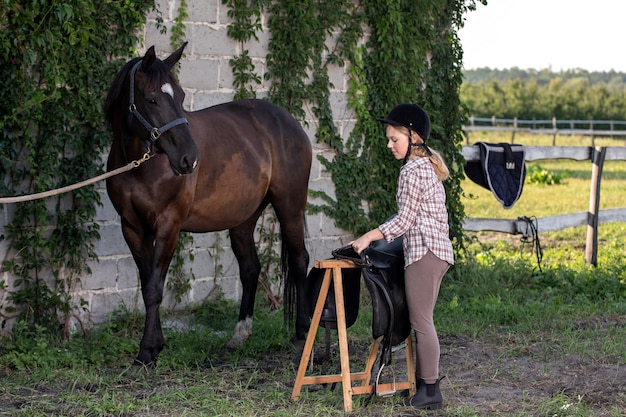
(167, 89)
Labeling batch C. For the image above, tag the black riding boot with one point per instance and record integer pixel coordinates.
(428, 396)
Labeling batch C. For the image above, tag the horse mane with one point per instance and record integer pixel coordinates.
(157, 72)
(115, 90)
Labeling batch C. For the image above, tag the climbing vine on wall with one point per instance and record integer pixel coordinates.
(56, 61)
(246, 22)
(412, 55)
(395, 51)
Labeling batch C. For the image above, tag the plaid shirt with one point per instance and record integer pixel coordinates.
(422, 215)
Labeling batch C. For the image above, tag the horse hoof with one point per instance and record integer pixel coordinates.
(297, 343)
(144, 360)
(139, 368)
(137, 364)
(243, 330)
(234, 343)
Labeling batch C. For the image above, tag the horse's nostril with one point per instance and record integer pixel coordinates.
(187, 165)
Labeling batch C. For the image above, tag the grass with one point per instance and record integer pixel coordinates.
(507, 327)
(540, 200)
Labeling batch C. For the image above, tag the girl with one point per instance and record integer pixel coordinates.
(422, 220)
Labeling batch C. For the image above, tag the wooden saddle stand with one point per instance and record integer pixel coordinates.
(332, 272)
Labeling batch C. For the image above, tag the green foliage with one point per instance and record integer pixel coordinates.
(296, 50)
(179, 279)
(536, 174)
(40, 350)
(29, 349)
(412, 55)
(615, 80)
(246, 22)
(528, 95)
(56, 68)
(177, 31)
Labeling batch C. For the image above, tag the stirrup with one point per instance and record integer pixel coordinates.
(398, 347)
(388, 392)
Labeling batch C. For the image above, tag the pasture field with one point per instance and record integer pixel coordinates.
(518, 337)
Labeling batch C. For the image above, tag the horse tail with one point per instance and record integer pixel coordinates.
(287, 278)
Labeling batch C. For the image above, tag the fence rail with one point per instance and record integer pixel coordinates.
(544, 224)
(536, 153)
(592, 218)
(554, 127)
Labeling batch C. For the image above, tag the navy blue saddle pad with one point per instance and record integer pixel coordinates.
(501, 169)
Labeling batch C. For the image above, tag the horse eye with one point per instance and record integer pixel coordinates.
(152, 101)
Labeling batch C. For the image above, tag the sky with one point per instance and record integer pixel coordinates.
(546, 34)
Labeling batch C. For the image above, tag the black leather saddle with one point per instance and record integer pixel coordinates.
(382, 268)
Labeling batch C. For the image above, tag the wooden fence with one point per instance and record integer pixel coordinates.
(591, 218)
(554, 127)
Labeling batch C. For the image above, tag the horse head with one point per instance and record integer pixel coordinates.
(146, 103)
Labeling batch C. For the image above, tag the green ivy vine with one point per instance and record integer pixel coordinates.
(246, 22)
(177, 30)
(58, 61)
(56, 67)
(411, 55)
(394, 51)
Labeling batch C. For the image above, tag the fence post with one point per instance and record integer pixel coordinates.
(467, 133)
(554, 127)
(593, 136)
(514, 129)
(611, 126)
(591, 245)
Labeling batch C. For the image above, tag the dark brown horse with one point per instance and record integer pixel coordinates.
(210, 170)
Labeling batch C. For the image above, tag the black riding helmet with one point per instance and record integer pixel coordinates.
(414, 118)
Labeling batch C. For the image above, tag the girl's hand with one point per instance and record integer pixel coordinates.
(360, 244)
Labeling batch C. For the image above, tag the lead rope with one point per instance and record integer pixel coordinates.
(532, 238)
(131, 165)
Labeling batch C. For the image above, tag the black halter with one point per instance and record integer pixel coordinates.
(155, 132)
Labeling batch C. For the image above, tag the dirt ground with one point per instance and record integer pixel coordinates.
(495, 378)
(486, 377)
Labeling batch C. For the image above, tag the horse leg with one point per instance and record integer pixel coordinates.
(244, 248)
(152, 341)
(152, 256)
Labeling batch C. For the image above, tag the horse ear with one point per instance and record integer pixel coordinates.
(171, 60)
(148, 58)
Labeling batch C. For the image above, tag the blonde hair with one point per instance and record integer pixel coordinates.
(441, 169)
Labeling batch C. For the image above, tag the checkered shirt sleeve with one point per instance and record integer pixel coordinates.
(422, 216)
